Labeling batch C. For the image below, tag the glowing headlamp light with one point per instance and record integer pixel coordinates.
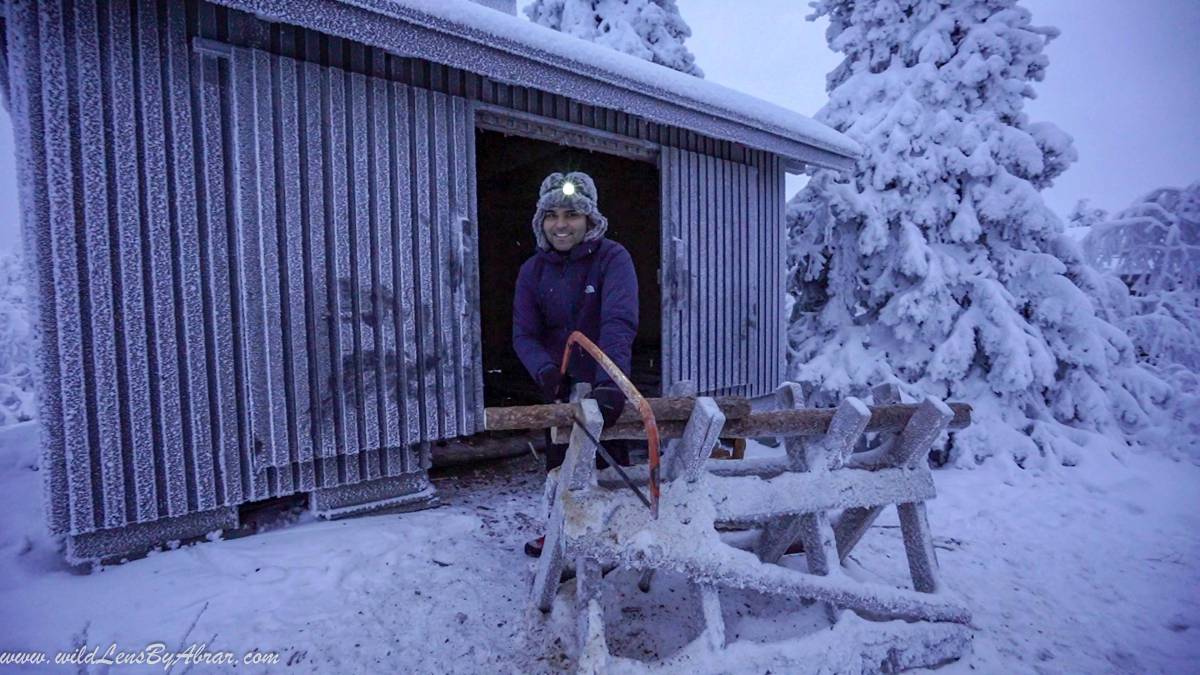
(568, 188)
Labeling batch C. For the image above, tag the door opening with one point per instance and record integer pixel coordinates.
(509, 170)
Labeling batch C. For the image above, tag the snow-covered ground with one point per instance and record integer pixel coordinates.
(1085, 569)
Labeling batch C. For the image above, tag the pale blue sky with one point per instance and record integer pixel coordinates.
(1124, 81)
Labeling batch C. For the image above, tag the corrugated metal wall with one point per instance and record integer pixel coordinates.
(214, 239)
(723, 271)
(357, 260)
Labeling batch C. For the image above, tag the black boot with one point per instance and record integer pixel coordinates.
(533, 547)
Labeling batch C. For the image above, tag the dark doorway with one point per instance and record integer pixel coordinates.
(509, 170)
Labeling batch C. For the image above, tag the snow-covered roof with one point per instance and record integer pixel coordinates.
(509, 49)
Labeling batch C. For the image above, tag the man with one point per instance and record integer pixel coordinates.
(577, 280)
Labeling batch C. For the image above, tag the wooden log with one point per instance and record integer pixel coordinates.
(807, 422)
(674, 408)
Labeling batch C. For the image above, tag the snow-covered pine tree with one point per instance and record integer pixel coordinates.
(1085, 215)
(649, 29)
(936, 264)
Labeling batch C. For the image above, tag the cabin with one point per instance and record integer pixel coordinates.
(275, 242)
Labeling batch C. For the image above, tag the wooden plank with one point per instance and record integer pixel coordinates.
(789, 396)
(589, 618)
(753, 500)
(927, 423)
(701, 434)
(918, 545)
(820, 551)
(549, 566)
(579, 466)
(931, 418)
(472, 268)
(685, 390)
(714, 622)
(740, 570)
(846, 427)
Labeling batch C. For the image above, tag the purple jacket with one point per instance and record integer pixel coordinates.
(592, 288)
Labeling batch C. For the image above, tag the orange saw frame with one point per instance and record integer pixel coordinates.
(632, 394)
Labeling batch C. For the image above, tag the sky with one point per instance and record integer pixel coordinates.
(1123, 81)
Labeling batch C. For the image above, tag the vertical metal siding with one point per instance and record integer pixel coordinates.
(722, 299)
(228, 263)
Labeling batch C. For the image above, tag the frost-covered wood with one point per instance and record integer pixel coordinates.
(785, 423)
(910, 447)
(672, 408)
(605, 524)
(820, 456)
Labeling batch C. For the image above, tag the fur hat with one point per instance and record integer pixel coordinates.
(580, 196)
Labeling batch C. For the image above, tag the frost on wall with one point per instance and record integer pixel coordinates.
(937, 264)
(649, 29)
(17, 402)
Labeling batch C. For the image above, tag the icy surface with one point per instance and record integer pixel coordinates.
(445, 590)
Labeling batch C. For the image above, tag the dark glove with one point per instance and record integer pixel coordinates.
(611, 402)
(552, 384)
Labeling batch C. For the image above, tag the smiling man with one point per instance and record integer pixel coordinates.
(577, 280)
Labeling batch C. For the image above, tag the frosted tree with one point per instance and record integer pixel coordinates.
(17, 402)
(1086, 215)
(649, 29)
(935, 264)
(1154, 248)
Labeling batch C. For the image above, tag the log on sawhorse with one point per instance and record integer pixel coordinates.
(597, 523)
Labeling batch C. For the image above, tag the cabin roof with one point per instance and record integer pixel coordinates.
(505, 48)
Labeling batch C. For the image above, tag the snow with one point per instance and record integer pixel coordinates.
(1082, 569)
(652, 30)
(517, 36)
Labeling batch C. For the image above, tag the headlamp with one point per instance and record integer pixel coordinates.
(568, 188)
